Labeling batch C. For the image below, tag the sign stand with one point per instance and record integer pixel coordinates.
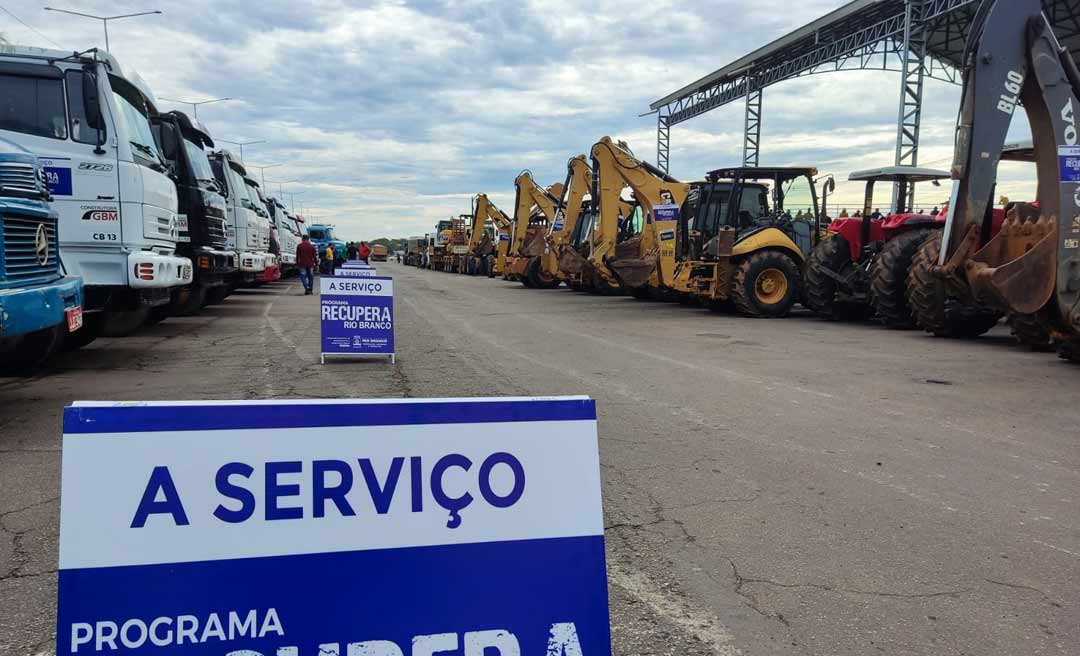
(356, 313)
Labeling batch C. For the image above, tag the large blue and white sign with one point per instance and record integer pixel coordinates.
(397, 527)
(357, 315)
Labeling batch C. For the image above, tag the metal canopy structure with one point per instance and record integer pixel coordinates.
(916, 38)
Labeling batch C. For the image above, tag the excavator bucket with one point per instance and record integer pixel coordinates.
(1017, 269)
(534, 243)
(629, 265)
(570, 261)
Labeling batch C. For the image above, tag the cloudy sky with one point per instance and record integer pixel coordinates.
(391, 115)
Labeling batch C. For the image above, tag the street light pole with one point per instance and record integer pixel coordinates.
(104, 19)
(279, 184)
(262, 170)
(292, 199)
(194, 105)
(242, 144)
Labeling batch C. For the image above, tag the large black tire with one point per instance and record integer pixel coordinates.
(934, 310)
(23, 355)
(820, 289)
(216, 295)
(1029, 331)
(122, 323)
(888, 280)
(766, 284)
(1069, 351)
(192, 302)
(157, 315)
(538, 277)
(90, 331)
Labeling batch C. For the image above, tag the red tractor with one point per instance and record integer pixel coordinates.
(861, 268)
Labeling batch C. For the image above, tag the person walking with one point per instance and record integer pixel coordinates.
(306, 260)
(352, 252)
(329, 259)
(365, 252)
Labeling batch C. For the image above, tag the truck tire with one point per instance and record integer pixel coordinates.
(1028, 331)
(888, 280)
(122, 323)
(1069, 351)
(820, 289)
(766, 284)
(216, 295)
(158, 314)
(24, 354)
(193, 301)
(933, 309)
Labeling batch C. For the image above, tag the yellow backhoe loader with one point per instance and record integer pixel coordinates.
(534, 210)
(717, 241)
(543, 269)
(486, 246)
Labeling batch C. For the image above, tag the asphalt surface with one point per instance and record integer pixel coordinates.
(770, 487)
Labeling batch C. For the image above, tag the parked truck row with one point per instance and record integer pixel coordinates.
(114, 214)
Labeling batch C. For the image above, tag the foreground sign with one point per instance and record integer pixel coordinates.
(375, 528)
(356, 264)
(355, 272)
(356, 315)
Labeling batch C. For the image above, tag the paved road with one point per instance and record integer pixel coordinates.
(770, 487)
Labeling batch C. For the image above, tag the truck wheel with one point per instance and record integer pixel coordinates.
(1029, 332)
(1069, 351)
(766, 284)
(216, 295)
(90, 331)
(193, 301)
(157, 315)
(830, 255)
(933, 309)
(122, 323)
(888, 280)
(24, 354)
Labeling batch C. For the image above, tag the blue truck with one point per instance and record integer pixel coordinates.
(321, 235)
(40, 306)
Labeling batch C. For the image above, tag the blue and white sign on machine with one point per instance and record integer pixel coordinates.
(391, 527)
(356, 316)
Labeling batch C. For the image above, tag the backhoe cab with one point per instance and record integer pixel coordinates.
(543, 270)
(1032, 266)
(861, 267)
(482, 255)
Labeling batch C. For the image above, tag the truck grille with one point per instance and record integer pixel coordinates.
(21, 259)
(216, 231)
(16, 175)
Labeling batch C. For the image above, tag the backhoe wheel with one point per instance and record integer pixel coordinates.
(830, 255)
(1029, 332)
(766, 284)
(1069, 351)
(539, 278)
(933, 309)
(888, 280)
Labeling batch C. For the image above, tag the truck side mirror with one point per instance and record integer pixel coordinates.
(170, 142)
(92, 109)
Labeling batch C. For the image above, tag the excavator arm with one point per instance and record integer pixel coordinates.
(1013, 59)
(529, 194)
(651, 257)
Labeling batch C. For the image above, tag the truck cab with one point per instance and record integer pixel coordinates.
(87, 120)
(283, 229)
(242, 217)
(321, 235)
(202, 235)
(267, 239)
(39, 304)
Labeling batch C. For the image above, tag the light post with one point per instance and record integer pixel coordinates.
(262, 170)
(281, 192)
(292, 199)
(104, 19)
(241, 144)
(195, 105)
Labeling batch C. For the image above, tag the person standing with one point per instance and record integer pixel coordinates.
(329, 259)
(365, 252)
(306, 260)
(352, 252)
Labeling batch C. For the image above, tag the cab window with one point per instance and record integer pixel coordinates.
(33, 105)
(81, 130)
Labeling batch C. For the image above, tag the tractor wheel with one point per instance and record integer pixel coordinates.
(830, 255)
(933, 309)
(888, 280)
(642, 293)
(1029, 332)
(766, 284)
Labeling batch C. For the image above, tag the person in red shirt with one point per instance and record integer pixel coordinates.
(365, 251)
(306, 260)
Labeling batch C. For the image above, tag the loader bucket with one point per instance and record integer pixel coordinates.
(1017, 269)
(534, 244)
(633, 272)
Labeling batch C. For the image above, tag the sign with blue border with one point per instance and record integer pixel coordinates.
(59, 180)
(293, 528)
(356, 264)
(356, 315)
(667, 212)
(355, 272)
(1069, 163)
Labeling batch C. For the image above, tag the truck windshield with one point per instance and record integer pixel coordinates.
(200, 163)
(132, 122)
(33, 105)
(316, 233)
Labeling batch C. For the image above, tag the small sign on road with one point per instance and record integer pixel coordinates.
(356, 315)
(396, 527)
